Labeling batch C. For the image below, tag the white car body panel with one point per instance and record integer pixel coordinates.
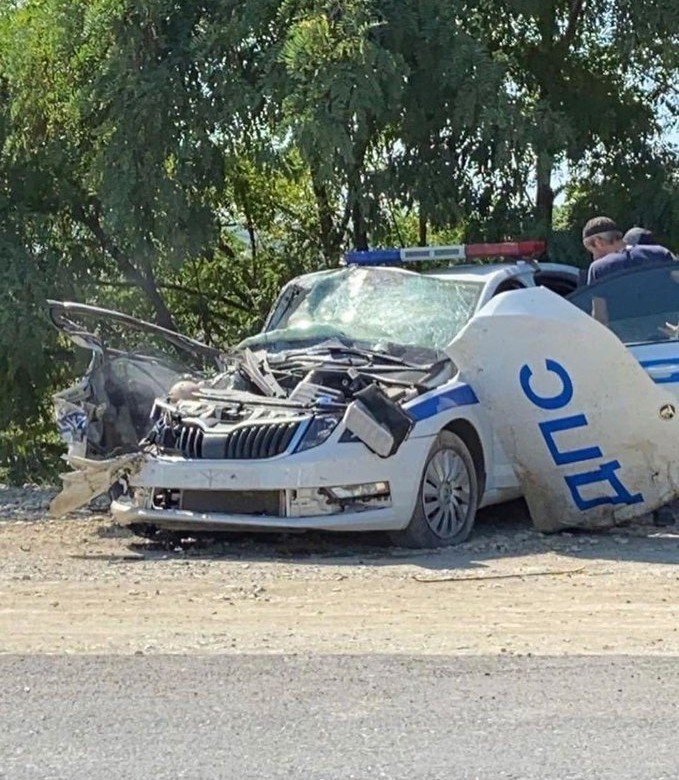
(551, 404)
(594, 438)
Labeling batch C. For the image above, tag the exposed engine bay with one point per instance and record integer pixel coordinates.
(245, 404)
(267, 404)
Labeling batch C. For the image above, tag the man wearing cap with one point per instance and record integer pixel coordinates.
(638, 235)
(604, 240)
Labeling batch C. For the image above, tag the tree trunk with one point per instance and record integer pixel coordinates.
(145, 281)
(360, 233)
(355, 187)
(544, 201)
(329, 245)
(422, 228)
(150, 289)
(544, 205)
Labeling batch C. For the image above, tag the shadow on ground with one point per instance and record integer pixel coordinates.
(501, 532)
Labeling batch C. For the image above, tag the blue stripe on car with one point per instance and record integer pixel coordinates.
(462, 395)
(665, 380)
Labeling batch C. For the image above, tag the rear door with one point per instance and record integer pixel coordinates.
(642, 308)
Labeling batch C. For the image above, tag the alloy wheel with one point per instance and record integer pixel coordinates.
(446, 489)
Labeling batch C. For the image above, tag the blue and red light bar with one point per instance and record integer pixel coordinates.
(454, 252)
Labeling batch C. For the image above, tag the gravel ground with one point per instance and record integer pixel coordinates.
(29, 502)
(515, 655)
(84, 585)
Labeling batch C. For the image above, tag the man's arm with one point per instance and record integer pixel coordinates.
(592, 273)
(600, 310)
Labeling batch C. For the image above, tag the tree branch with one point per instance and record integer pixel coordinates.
(225, 248)
(574, 15)
(146, 282)
(179, 288)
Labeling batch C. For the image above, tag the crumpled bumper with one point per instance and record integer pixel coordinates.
(331, 465)
(384, 519)
(91, 478)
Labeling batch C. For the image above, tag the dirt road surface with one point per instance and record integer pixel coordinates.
(515, 655)
(82, 585)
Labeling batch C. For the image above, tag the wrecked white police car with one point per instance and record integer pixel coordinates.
(377, 398)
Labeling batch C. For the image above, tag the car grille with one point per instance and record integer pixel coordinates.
(190, 441)
(248, 442)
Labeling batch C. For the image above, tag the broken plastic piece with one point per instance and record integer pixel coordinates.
(92, 478)
(377, 421)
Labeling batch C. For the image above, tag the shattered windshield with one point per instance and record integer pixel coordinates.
(376, 306)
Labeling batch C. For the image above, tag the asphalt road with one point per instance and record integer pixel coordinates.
(338, 717)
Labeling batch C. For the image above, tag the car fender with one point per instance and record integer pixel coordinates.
(455, 402)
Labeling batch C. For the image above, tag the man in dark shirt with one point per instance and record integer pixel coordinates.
(603, 239)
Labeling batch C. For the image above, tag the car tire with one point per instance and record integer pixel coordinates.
(447, 497)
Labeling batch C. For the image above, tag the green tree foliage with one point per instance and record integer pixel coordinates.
(181, 160)
(643, 187)
(112, 116)
(592, 76)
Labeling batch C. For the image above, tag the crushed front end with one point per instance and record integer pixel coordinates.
(305, 425)
(228, 457)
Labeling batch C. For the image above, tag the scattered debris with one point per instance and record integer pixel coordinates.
(90, 479)
(512, 576)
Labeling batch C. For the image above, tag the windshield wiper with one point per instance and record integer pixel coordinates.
(369, 354)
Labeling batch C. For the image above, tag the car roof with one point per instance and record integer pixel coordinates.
(480, 273)
(484, 273)
(466, 272)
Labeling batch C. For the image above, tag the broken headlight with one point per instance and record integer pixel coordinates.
(365, 490)
(318, 431)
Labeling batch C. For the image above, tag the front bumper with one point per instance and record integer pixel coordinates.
(330, 465)
(386, 519)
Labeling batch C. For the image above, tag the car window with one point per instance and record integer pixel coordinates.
(557, 281)
(508, 285)
(638, 306)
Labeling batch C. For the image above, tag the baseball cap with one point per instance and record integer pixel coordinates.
(638, 235)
